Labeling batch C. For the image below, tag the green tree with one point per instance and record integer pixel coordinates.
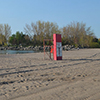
(20, 39)
(27, 40)
(99, 40)
(16, 39)
(12, 39)
(95, 45)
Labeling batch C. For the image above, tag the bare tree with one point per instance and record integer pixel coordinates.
(28, 31)
(40, 30)
(7, 31)
(1, 31)
(77, 34)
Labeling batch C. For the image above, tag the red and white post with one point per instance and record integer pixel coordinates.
(57, 45)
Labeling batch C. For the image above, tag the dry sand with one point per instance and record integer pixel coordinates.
(30, 77)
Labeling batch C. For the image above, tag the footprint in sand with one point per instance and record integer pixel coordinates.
(27, 87)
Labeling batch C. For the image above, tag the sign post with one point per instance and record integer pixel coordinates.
(57, 47)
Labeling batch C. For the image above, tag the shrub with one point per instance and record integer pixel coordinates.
(94, 45)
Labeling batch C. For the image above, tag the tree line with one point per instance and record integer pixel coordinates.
(76, 34)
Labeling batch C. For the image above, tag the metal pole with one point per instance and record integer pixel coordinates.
(50, 48)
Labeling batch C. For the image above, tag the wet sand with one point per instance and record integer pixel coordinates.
(30, 77)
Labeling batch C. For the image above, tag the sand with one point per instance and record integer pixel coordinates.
(31, 77)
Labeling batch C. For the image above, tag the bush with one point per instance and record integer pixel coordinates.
(94, 45)
(5, 44)
(0, 45)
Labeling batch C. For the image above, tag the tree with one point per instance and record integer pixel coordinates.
(2, 40)
(1, 29)
(12, 39)
(41, 30)
(77, 34)
(99, 40)
(95, 45)
(5, 30)
(27, 40)
(19, 39)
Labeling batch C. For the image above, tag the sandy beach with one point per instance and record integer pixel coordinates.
(31, 77)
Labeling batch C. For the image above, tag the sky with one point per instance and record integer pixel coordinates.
(18, 13)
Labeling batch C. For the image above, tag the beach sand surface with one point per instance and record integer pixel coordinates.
(31, 77)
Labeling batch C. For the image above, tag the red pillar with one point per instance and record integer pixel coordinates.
(57, 46)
